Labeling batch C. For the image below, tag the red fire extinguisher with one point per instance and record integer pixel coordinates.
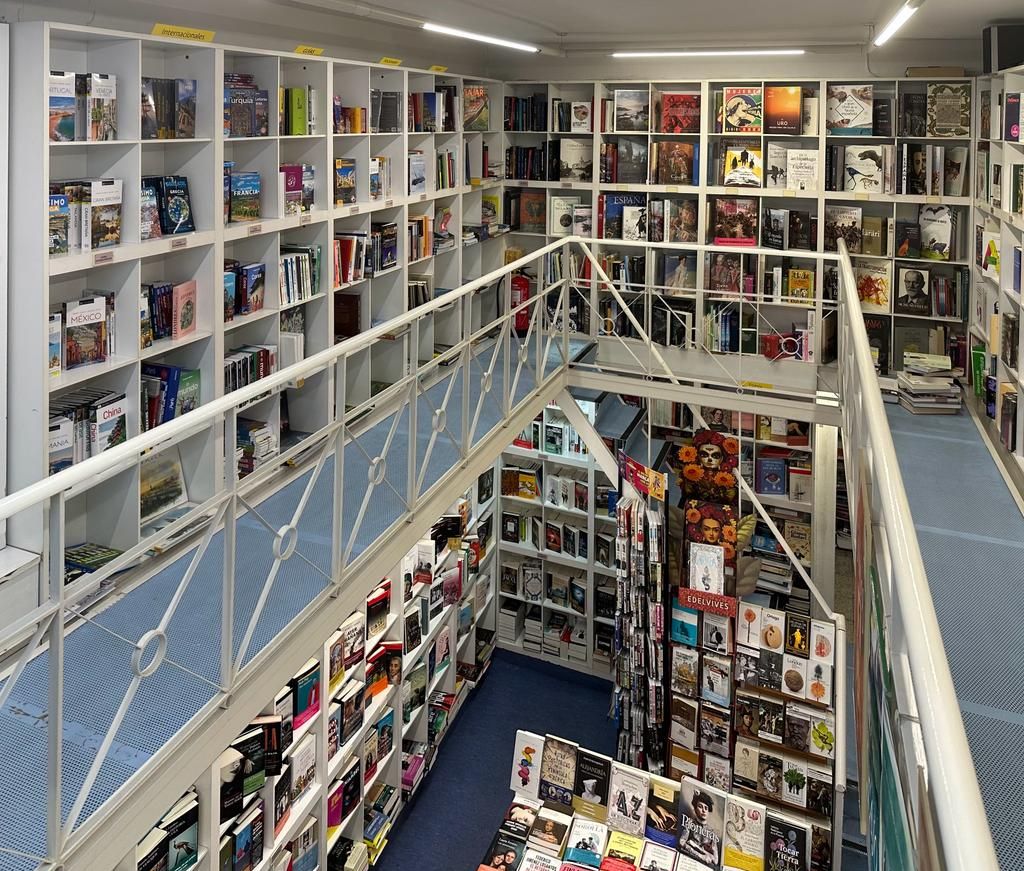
(520, 294)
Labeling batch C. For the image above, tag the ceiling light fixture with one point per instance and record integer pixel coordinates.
(711, 52)
(479, 37)
(898, 20)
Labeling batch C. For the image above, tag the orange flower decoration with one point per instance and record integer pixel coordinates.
(693, 473)
(730, 446)
(729, 533)
(730, 552)
(724, 479)
(692, 515)
(688, 453)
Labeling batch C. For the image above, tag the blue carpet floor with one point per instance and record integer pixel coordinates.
(461, 803)
(972, 540)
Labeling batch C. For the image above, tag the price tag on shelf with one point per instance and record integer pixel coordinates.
(422, 197)
(672, 189)
(354, 210)
(305, 218)
(313, 50)
(255, 230)
(567, 184)
(391, 61)
(862, 196)
(388, 204)
(789, 192)
(932, 199)
(194, 34)
(181, 242)
(103, 257)
(732, 190)
(622, 187)
(757, 385)
(437, 68)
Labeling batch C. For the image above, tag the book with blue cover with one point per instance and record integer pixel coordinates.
(613, 207)
(771, 476)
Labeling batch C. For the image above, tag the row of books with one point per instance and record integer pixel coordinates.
(81, 332)
(167, 311)
(556, 438)
(419, 237)
(777, 472)
(84, 423)
(167, 392)
(630, 161)
(296, 187)
(84, 214)
(910, 168)
(168, 108)
(165, 207)
(385, 109)
(345, 190)
(255, 446)
(525, 113)
(246, 107)
(434, 111)
(82, 107)
(927, 384)
(244, 288)
(248, 364)
(559, 538)
(173, 843)
(445, 174)
(628, 111)
(347, 119)
(299, 273)
(598, 813)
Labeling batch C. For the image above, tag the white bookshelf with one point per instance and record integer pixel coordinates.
(766, 312)
(313, 802)
(997, 295)
(38, 47)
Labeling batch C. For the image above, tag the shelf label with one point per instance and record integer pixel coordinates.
(862, 196)
(194, 34)
(672, 189)
(103, 257)
(255, 230)
(391, 61)
(567, 184)
(179, 243)
(305, 218)
(313, 50)
(732, 190)
(931, 199)
(354, 210)
(622, 187)
(422, 197)
(388, 204)
(437, 68)
(757, 385)
(789, 192)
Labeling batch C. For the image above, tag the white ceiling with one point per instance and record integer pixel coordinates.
(682, 23)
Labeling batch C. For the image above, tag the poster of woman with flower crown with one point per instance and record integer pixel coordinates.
(708, 467)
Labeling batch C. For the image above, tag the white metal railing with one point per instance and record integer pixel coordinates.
(926, 713)
(494, 367)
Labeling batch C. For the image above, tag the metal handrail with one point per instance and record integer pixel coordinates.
(952, 783)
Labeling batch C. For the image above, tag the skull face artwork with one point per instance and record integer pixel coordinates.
(710, 457)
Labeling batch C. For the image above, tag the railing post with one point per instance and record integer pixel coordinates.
(412, 490)
(337, 527)
(227, 615)
(53, 567)
(467, 371)
(505, 336)
(566, 293)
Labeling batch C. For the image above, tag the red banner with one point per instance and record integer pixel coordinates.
(646, 480)
(699, 600)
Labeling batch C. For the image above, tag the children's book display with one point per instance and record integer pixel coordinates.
(621, 818)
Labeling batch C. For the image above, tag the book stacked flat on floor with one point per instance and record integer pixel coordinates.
(927, 386)
(511, 617)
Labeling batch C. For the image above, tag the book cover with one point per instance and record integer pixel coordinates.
(655, 857)
(61, 106)
(520, 816)
(535, 860)
(632, 110)
(526, 759)
(679, 113)
(949, 109)
(701, 822)
(716, 685)
(848, 110)
(735, 221)
(344, 181)
(862, 169)
(741, 164)
(935, 223)
(775, 166)
(662, 824)
(785, 842)
(627, 799)
(783, 109)
(707, 567)
(585, 842)
(675, 162)
(590, 791)
(744, 834)
(624, 847)
(741, 110)
(175, 205)
(184, 309)
(549, 830)
(802, 169)
(557, 772)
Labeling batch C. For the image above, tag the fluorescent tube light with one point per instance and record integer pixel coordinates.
(479, 37)
(897, 21)
(711, 52)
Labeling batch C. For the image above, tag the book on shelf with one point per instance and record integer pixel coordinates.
(741, 110)
(848, 110)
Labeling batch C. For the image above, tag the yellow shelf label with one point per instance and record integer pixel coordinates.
(437, 68)
(195, 34)
(862, 196)
(932, 199)
(391, 61)
(313, 50)
(672, 189)
(757, 385)
(789, 192)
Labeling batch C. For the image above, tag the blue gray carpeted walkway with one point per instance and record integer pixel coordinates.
(460, 805)
(972, 539)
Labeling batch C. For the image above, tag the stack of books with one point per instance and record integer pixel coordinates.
(510, 620)
(257, 444)
(348, 855)
(927, 385)
(533, 630)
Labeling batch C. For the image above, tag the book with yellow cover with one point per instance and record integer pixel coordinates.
(801, 286)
